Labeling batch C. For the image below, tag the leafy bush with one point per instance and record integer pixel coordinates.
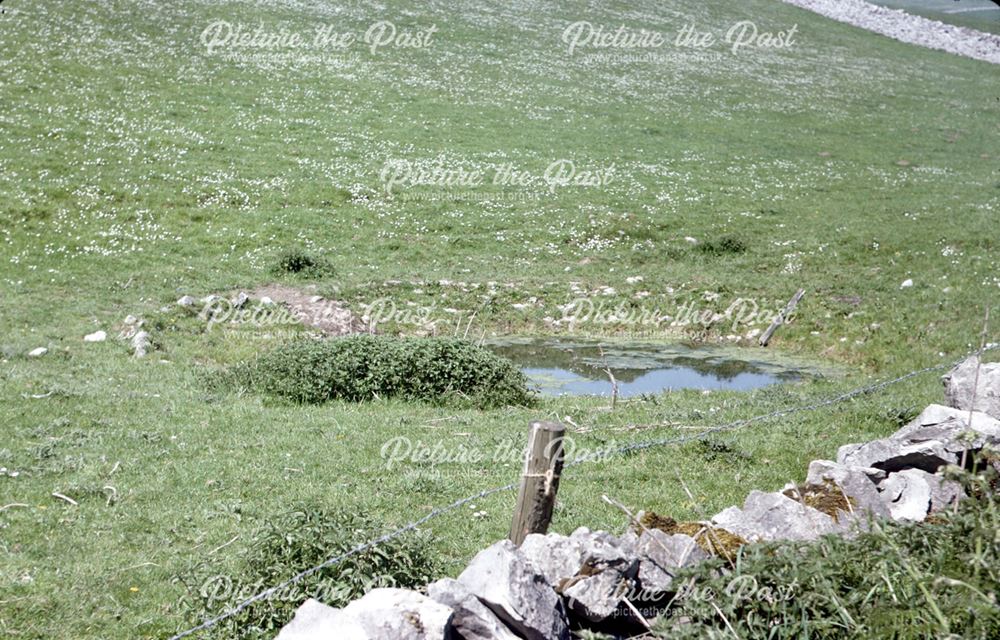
(292, 543)
(364, 367)
(937, 579)
(723, 245)
(301, 263)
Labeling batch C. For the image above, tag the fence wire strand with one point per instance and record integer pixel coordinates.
(638, 446)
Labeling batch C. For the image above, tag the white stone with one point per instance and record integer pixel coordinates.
(97, 336)
(503, 579)
(974, 385)
(907, 494)
(399, 614)
(473, 620)
(774, 516)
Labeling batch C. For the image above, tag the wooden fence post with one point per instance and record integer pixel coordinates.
(543, 464)
(782, 317)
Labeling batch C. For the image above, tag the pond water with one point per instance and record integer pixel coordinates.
(559, 366)
(977, 14)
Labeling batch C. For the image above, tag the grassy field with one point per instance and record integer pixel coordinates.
(136, 166)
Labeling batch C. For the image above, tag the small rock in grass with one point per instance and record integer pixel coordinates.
(37, 353)
(140, 343)
(906, 284)
(97, 336)
(186, 301)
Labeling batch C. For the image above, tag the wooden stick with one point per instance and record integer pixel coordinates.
(543, 464)
(782, 317)
(66, 498)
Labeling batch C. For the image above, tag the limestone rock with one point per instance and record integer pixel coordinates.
(473, 620)
(661, 555)
(503, 579)
(774, 516)
(950, 427)
(316, 621)
(944, 493)
(400, 614)
(97, 336)
(141, 343)
(37, 353)
(960, 386)
(907, 494)
(187, 301)
(892, 454)
(597, 598)
(858, 484)
(559, 557)
(591, 570)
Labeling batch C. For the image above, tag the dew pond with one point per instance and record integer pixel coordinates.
(562, 366)
(978, 14)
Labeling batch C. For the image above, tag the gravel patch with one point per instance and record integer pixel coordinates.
(908, 28)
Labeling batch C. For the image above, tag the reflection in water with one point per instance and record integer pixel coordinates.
(562, 367)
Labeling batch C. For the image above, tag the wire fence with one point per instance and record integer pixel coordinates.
(637, 446)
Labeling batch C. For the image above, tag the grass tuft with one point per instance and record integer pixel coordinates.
(295, 262)
(291, 543)
(937, 579)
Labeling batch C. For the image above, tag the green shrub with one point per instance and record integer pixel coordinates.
(723, 245)
(365, 367)
(938, 579)
(295, 542)
(300, 263)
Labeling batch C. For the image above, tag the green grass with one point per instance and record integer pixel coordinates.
(135, 168)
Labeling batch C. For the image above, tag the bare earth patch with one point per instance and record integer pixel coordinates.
(313, 310)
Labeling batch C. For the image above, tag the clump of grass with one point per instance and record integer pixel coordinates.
(296, 262)
(366, 367)
(827, 498)
(296, 541)
(936, 579)
(723, 245)
(712, 540)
